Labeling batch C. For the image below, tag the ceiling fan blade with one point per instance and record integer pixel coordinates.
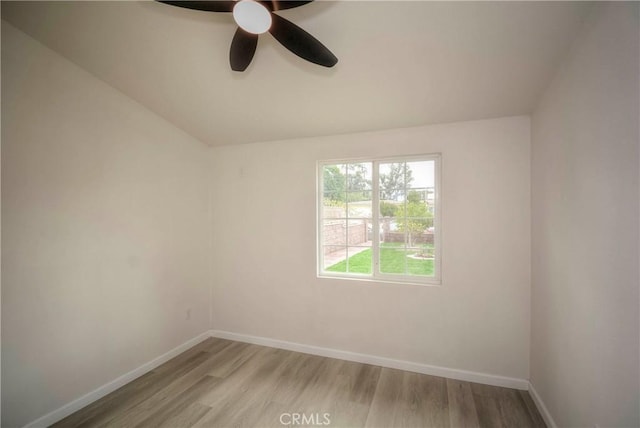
(281, 5)
(209, 6)
(300, 42)
(243, 46)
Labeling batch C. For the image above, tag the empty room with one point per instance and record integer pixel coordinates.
(253, 213)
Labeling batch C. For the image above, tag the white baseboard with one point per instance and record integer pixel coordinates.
(96, 394)
(542, 408)
(469, 376)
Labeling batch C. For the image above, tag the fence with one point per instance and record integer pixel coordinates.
(334, 233)
(422, 238)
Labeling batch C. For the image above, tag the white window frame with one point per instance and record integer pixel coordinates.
(376, 275)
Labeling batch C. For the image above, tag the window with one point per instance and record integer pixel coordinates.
(379, 219)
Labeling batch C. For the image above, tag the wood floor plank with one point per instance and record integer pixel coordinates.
(272, 416)
(178, 403)
(202, 346)
(238, 380)
(242, 396)
(116, 399)
(222, 383)
(365, 383)
(186, 417)
(125, 398)
(513, 410)
(172, 384)
(462, 408)
(179, 360)
(535, 415)
(236, 355)
(423, 401)
(488, 411)
(215, 345)
(295, 377)
(211, 363)
(349, 396)
(383, 407)
(320, 383)
(489, 391)
(328, 392)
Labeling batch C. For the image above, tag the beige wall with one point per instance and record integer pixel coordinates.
(264, 252)
(584, 359)
(104, 219)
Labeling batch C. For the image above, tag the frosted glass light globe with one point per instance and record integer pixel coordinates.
(252, 17)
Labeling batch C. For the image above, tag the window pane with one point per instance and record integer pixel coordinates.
(422, 251)
(334, 183)
(334, 232)
(357, 233)
(359, 259)
(393, 258)
(334, 258)
(388, 209)
(371, 230)
(358, 176)
(393, 179)
(363, 195)
(391, 231)
(420, 260)
(415, 229)
(421, 174)
(415, 216)
(333, 209)
(398, 197)
(405, 197)
(360, 208)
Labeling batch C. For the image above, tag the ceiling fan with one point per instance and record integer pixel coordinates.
(255, 17)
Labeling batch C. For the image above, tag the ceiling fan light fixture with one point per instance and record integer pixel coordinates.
(255, 17)
(252, 17)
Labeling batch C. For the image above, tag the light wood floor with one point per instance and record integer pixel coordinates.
(221, 383)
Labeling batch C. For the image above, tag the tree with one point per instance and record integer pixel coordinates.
(393, 183)
(388, 209)
(357, 182)
(334, 183)
(357, 177)
(414, 217)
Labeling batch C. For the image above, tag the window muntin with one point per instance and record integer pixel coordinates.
(396, 197)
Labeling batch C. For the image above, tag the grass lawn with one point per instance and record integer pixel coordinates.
(392, 260)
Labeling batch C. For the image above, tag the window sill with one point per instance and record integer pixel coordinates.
(431, 282)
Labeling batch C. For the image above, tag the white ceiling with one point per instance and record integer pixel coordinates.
(400, 63)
